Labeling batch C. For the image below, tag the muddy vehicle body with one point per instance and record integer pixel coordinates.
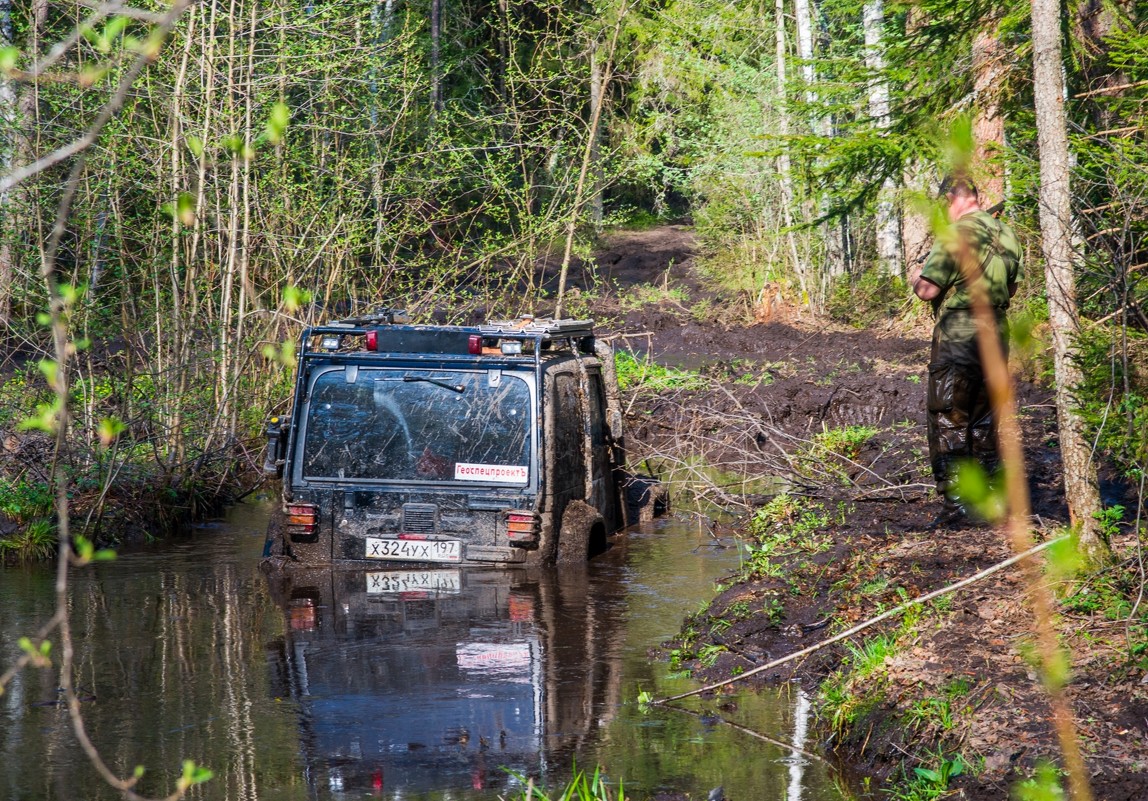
(491, 444)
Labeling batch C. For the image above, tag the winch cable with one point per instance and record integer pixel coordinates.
(871, 622)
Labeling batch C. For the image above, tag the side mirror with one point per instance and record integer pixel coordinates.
(274, 456)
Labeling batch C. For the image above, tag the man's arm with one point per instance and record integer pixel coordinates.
(922, 287)
(926, 289)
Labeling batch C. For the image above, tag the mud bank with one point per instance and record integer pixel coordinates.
(947, 683)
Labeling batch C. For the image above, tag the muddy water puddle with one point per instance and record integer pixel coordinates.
(361, 684)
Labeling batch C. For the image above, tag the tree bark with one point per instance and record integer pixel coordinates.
(988, 122)
(20, 121)
(835, 234)
(784, 165)
(1080, 479)
(9, 118)
(436, 56)
(596, 89)
(888, 221)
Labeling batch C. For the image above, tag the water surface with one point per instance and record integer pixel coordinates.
(319, 684)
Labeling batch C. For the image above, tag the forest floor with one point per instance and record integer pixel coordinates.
(836, 415)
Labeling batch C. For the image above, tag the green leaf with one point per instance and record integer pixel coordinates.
(9, 58)
(294, 298)
(71, 293)
(974, 488)
(277, 123)
(50, 370)
(960, 144)
(104, 555)
(84, 547)
(192, 775)
(92, 74)
(1064, 557)
(185, 209)
(237, 146)
(46, 419)
(1044, 786)
(115, 27)
(108, 429)
(926, 773)
(282, 354)
(138, 772)
(195, 145)
(1058, 670)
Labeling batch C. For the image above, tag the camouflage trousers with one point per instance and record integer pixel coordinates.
(960, 418)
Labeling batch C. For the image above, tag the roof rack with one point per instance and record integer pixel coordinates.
(383, 316)
(542, 327)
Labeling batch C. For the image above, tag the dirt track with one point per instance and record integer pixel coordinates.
(774, 387)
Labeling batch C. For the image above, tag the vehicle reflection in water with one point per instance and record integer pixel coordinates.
(413, 682)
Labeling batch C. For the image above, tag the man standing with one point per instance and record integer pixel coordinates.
(960, 419)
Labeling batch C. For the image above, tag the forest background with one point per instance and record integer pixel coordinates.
(188, 186)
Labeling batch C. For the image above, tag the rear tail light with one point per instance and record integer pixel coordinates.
(302, 519)
(372, 340)
(474, 345)
(522, 526)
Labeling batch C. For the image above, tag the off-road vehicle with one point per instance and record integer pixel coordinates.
(497, 443)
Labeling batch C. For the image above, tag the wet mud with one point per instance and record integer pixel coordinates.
(775, 385)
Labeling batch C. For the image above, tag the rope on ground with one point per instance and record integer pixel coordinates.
(869, 623)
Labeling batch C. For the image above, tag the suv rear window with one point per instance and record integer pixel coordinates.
(418, 425)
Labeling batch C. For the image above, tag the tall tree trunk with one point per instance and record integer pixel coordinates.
(916, 232)
(1080, 480)
(888, 221)
(835, 235)
(784, 166)
(21, 121)
(587, 152)
(9, 119)
(988, 122)
(595, 201)
(436, 55)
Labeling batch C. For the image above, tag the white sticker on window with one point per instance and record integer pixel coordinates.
(490, 472)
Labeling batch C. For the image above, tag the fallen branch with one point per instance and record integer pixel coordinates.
(869, 623)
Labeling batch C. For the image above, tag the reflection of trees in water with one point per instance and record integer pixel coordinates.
(171, 664)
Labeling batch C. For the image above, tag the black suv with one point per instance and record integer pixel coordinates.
(498, 443)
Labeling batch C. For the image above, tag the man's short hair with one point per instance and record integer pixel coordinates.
(953, 185)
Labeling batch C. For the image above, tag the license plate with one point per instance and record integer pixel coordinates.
(415, 550)
(440, 581)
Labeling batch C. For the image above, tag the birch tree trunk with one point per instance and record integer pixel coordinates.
(436, 55)
(595, 142)
(888, 221)
(784, 167)
(20, 118)
(9, 119)
(835, 235)
(1080, 480)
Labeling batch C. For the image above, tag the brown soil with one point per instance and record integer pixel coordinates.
(773, 387)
